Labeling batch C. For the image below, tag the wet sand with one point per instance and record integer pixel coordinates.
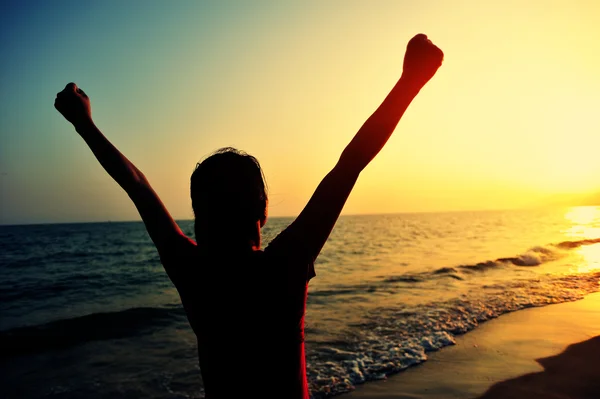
(547, 352)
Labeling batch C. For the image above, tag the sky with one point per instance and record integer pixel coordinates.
(511, 119)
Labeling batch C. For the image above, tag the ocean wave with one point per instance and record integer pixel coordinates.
(45, 258)
(82, 256)
(535, 256)
(577, 244)
(403, 279)
(393, 339)
(78, 285)
(78, 330)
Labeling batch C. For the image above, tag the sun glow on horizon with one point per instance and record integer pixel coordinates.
(586, 222)
(510, 120)
(586, 226)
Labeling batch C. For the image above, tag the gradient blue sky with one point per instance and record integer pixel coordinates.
(511, 118)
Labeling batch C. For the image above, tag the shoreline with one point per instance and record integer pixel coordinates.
(522, 354)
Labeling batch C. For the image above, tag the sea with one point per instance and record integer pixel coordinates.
(86, 310)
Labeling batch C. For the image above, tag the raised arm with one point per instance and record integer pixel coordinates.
(75, 106)
(311, 229)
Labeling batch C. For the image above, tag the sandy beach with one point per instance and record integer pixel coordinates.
(546, 352)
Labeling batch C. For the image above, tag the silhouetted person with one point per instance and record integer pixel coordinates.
(247, 305)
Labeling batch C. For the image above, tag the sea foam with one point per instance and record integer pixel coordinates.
(393, 339)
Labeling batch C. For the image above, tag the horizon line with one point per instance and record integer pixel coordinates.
(294, 216)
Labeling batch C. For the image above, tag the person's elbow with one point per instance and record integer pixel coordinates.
(348, 166)
(352, 161)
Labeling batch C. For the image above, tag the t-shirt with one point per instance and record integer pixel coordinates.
(248, 315)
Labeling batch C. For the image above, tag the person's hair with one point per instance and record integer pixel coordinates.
(229, 194)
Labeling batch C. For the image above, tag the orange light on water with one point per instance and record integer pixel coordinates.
(591, 258)
(586, 222)
(586, 225)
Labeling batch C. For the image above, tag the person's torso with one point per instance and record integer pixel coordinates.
(248, 316)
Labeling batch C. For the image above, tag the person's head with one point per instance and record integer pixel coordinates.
(229, 199)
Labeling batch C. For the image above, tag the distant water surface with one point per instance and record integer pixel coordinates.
(86, 310)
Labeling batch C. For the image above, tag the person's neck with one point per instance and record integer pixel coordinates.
(231, 239)
(231, 247)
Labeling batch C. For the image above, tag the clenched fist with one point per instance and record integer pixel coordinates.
(422, 59)
(74, 105)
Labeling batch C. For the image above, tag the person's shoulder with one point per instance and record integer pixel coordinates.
(280, 246)
(179, 249)
(284, 258)
(179, 258)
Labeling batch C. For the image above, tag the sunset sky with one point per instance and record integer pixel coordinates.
(511, 119)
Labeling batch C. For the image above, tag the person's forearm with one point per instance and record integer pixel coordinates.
(376, 131)
(116, 164)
